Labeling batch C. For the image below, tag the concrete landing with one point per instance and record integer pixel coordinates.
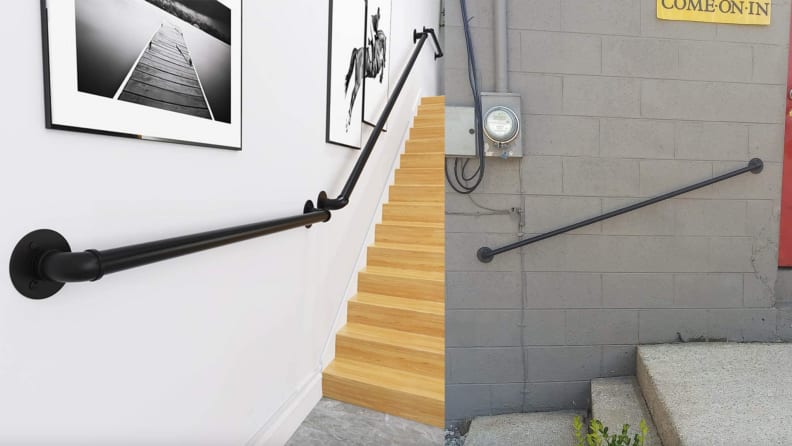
(333, 423)
(713, 393)
(524, 429)
(618, 401)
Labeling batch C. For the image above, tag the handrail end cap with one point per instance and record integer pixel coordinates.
(484, 255)
(757, 165)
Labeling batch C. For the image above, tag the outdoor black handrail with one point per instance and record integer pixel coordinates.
(486, 254)
(42, 261)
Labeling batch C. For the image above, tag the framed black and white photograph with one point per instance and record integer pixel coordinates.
(167, 70)
(346, 72)
(377, 64)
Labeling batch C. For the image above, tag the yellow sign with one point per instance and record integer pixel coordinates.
(747, 12)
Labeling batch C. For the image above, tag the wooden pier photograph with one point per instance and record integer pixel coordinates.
(172, 55)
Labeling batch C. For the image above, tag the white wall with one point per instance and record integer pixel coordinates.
(208, 348)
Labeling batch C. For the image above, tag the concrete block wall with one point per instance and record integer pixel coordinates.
(617, 106)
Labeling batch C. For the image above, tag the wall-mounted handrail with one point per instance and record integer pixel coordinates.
(324, 202)
(486, 254)
(42, 261)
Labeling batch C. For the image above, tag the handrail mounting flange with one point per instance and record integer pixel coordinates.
(24, 264)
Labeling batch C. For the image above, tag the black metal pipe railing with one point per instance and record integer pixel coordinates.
(42, 261)
(324, 202)
(486, 254)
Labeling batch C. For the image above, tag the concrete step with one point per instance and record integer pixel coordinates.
(718, 393)
(618, 401)
(524, 429)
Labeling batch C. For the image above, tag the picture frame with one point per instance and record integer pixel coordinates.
(345, 62)
(377, 83)
(163, 70)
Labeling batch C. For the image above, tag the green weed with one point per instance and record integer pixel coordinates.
(598, 435)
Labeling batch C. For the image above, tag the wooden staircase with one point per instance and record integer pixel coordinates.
(390, 356)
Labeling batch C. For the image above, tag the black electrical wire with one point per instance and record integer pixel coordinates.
(461, 185)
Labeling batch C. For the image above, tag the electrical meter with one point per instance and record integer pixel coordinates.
(501, 125)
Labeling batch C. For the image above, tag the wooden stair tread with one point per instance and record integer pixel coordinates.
(413, 341)
(424, 169)
(400, 303)
(424, 154)
(409, 273)
(408, 247)
(399, 380)
(414, 224)
(440, 99)
(415, 203)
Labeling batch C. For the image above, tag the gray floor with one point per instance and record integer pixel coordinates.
(334, 423)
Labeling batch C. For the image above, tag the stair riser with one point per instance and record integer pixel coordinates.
(660, 412)
(411, 288)
(420, 194)
(428, 161)
(430, 177)
(410, 234)
(397, 258)
(396, 319)
(412, 213)
(416, 408)
(416, 361)
(434, 146)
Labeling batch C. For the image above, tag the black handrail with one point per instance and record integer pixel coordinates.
(42, 261)
(486, 254)
(343, 198)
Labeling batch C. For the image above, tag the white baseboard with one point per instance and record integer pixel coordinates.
(278, 430)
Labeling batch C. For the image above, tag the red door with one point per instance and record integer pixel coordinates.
(785, 241)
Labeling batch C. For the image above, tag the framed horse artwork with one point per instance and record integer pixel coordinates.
(376, 59)
(345, 72)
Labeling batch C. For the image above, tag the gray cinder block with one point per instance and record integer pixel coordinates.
(602, 96)
(619, 17)
(601, 176)
(638, 290)
(483, 290)
(552, 52)
(474, 365)
(597, 327)
(630, 56)
(483, 328)
(637, 138)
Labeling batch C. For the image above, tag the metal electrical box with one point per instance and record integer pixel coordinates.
(512, 102)
(460, 128)
(460, 131)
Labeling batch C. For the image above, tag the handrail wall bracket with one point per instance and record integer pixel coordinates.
(26, 260)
